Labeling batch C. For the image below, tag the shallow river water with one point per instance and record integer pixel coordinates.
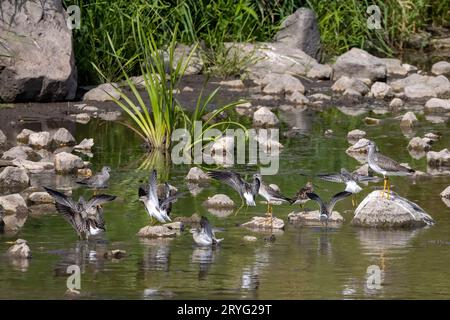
(302, 263)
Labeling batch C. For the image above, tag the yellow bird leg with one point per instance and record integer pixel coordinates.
(388, 190)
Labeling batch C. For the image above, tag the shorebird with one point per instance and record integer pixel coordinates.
(300, 197)
(350, 180)
(205, 236)
(270, 194)
(158, 208)
(326, 209)
(385, 166)
(246, 190)
(85, 217)
(99, 180)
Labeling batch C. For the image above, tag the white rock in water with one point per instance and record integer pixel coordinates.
(355, 135)
(264, 117)
(15, 211)
(350, 85)
(62, 137)
(264, 223)
(377, 211)
(441, 67)
(21, 152)
(359, 147)
(232, 83)
(381, 90)
(14, 179)
(250, 238)
(275, 83)
(432, 136)
(396, 103)
(34, 167)
(86, 144)
(359, 63)
(39, 139)
(67, 163)
(320, 71)
(419, 144)
(197, 174)
(219, 201)
(82, 118)
(24, 135)
(408, 119)
(156, 232)
(40, 198)
(313, 217)
(19, 250)
(436, 105)
(297, 97)
(103, 92)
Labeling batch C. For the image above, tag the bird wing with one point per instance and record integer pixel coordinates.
(152, 188)
(143, 191)
(255, 187)
(170, 199)
(62, 199)
(230, 178)
(98, 200)
(332, 177)
(316, 198)
(337, 197)
(206, 226)
(275, 193)
(389, 164)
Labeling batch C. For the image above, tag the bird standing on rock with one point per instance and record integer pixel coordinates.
(326, 209)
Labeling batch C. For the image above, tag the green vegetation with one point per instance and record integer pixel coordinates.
(343, 25)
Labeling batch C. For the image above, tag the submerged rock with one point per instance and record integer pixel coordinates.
(19, 250)
(313, 217)
(110, 115)
(13, 179)
(156, 232)
(250, 238)
(377, 211)
(15, 211)
(219, 201)
(265, 118)
(67, 163)
(197, 174)
(301, 30)
(358, 63)
(264, 223)
(62, 137)
(36, 56)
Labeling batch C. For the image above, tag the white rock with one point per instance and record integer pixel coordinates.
(350, 85)
(381, 90)
(395, 67)
(319, 96)
(441, 67)
(274, 83)
(157, 232)
(409, 119)
(358, 147)
(103, 92)
(197, 174)
(297, 97)
(24, 135)
(19, 250)
(446, 193)
(15, 211)
(377, 211)
(21, 152)
(219, 201)
(320, 71)
(313, 217)
(264, 117)
(250, 238)
(86, 144)
(436, 105)
(34, 167)
(264, 223)
(419, 144)
(3, 139)
(14, 179)
(355, 135)
(396, 103)
(110, 115)
(39, 139)
(82, 118)
(62, 137)
(67, 163)
(432, 136)
(40, 198)
(232, 83)
(359, 63)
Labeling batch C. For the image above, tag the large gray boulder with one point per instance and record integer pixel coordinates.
(15, 211)
(358, 63)
(219, 201)
(36, 59)
(13, 179)
(420, 86)
(301, 30)
(377, 211)
(21, 152)
(67, 163)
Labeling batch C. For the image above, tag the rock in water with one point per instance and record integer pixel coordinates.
(156, 232)
(301, 31)
(396, 212)
(36, 61)
(264, 223)
(312, 218)
(19, 250)
(219, 201)
(15, 211)
(358, 63)
(196, 174)
(14, 179)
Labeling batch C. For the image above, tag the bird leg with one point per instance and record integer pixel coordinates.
(384, 187)
(268, 208)
(354, 200)
(388, 189)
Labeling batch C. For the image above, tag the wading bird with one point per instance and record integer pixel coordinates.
(385, 166)
(99, 180)
(326, 209)
(85, 217)
(350, 180)
(300, 197)
(270, 194)
(246, 190)
(158, 208)
(205, 236)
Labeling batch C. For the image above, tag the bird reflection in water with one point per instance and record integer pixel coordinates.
(204, 256)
